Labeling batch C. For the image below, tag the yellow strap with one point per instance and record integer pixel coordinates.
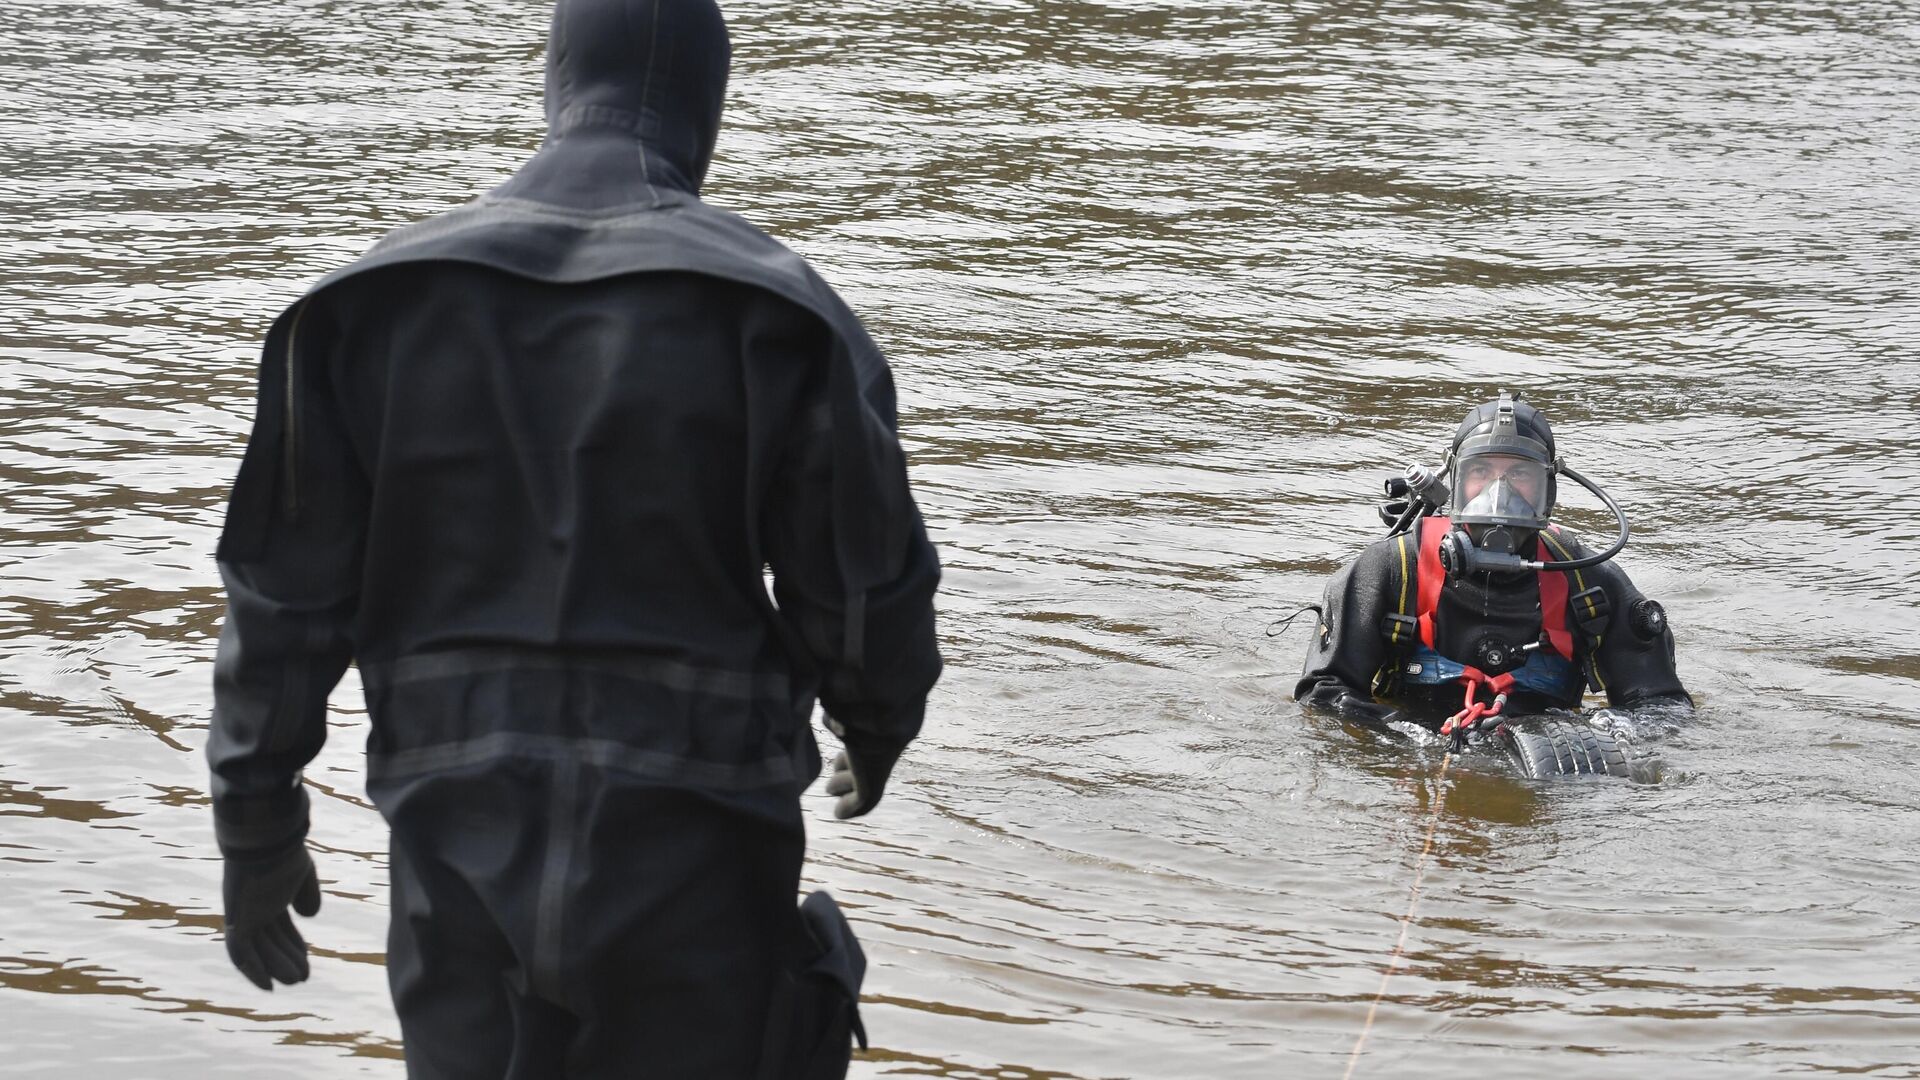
(1593, 655)
(1579, 579)
(1401, 544)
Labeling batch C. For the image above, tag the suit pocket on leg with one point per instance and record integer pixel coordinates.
(814, 1016)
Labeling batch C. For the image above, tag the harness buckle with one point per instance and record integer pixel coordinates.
(1400, 629)
(1590, 610)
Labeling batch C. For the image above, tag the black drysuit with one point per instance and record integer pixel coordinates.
(526, 463)
(1349, 655)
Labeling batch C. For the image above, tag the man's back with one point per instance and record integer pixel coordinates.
(570, 466)
(538, 515)
(562, 491)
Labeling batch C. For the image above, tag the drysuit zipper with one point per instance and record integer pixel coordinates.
(290, 451)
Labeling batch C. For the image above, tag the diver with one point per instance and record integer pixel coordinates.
(1476, 607)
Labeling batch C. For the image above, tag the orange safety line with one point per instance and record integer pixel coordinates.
(1413, 903)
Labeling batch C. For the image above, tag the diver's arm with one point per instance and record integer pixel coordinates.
(1346, 648)
(1634, 654)
(290, 559)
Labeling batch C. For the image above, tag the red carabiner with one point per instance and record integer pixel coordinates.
(1472, 711)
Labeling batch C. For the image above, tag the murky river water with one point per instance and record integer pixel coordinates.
(1167, 288)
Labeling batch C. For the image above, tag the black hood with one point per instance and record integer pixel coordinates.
(634, 92)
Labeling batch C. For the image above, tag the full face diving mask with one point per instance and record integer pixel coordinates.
(1505, 499)
(1501, 480)
(1503, 493)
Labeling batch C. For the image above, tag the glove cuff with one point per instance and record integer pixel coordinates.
(261, 826)
(872, 731)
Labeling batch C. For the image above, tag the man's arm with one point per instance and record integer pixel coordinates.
(290, 559)
(874, 679)
(1634, 653)
(1347, 648)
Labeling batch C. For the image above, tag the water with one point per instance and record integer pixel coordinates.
(1168, 288)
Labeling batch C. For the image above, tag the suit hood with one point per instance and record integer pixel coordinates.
(634, 91)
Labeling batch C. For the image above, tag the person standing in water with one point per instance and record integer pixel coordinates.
(1491, 603)
(525, 463)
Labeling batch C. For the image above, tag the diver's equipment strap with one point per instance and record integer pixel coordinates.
(1553, 611)
(1386, 680)
(1399, 627)
(1591, 610)
(1430, 575)
(1401, 631)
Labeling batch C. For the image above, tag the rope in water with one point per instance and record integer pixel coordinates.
(1406, 921)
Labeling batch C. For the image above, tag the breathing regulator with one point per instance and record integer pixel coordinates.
(1498, 486)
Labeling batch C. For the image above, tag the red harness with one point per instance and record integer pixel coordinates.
(1553, 590)
(1553, 619)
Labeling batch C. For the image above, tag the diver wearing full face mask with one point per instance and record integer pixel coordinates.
(1490, 602)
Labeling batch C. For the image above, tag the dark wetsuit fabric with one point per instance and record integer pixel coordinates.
(528, 464)
(1348, 647)
(604, 942)
(523, 509)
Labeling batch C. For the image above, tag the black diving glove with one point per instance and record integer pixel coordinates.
(859, 774)
(1367, 710)
(1655, 718)
(257, 890)
(1348, 704)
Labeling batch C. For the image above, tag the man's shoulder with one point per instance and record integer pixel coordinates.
(1388, 552)
(1563, 543)
(553, 244)
(1381, 560)
(556, 243)
(1610, 577)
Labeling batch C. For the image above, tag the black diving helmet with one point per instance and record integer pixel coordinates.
(1503, 475)
(1502, 481)
(1505, 482)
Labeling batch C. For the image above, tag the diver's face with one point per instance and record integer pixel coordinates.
(1525, 477)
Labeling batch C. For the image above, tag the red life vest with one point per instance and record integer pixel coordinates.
(1553, 590)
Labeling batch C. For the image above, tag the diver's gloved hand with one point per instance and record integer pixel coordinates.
(1614, 722)
(1349, 704)
(1655, 718)
(257, 890)
(859, 774)
(1366, 710)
